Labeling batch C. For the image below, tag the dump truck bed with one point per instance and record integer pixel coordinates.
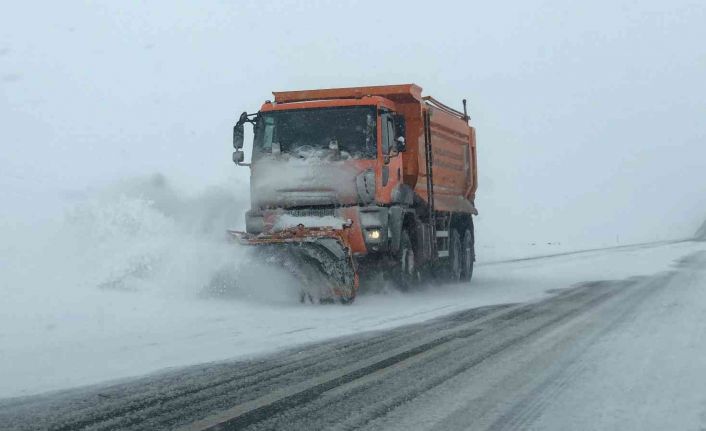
(453, 164)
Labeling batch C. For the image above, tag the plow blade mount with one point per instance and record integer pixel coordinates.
(320, 258)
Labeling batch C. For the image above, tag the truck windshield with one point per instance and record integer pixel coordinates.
(342, 133)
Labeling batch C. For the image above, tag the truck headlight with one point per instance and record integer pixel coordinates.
(374, 234)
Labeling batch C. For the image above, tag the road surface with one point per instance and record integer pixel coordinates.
(604, 354)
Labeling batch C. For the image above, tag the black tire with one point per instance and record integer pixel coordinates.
(467, 255)
(406, 273)
(453, 266)
(346, 300)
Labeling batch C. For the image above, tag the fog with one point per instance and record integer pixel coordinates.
(589, 116)
(116, 180)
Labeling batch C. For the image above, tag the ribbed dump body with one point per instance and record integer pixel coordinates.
(453, 148)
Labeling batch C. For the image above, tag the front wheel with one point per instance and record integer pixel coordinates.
(406, 272)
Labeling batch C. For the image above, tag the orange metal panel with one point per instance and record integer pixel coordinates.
(355, 239)
(453, 161)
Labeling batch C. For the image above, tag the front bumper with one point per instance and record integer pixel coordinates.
(367, 231)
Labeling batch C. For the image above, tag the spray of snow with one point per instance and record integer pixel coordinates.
(137, 263)
(139, 235)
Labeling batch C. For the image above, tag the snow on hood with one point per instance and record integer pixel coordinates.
(290, 181)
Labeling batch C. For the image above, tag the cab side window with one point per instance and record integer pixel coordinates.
(388, 134)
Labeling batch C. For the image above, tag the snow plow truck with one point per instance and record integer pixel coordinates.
(349, 182)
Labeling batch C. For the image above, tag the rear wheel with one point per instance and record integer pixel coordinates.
(454, 264)
(467, 255)
(406, 271)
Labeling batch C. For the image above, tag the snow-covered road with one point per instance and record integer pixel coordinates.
(635, 362)
(87, 336)
(604, 354)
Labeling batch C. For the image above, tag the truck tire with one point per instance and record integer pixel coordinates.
(454, 264)
(467, 256)
(406, 273)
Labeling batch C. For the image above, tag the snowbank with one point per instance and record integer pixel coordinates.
(701, 233)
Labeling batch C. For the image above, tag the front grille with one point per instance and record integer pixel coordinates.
(311, 212)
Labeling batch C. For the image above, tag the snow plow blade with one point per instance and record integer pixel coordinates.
(320, 257)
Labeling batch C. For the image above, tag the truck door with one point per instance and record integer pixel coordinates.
(390, 163)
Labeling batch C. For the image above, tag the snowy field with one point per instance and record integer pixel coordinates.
(123, 286)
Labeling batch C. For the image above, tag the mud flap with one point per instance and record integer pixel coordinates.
(319, 258)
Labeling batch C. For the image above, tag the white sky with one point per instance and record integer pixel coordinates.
(590, 115)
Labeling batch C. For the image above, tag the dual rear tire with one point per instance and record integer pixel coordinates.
(460, 261)
(458, 266)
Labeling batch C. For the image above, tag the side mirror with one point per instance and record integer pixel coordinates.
(238, 157)
(238, 136)
(400, 144)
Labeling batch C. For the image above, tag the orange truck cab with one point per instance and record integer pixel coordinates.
(390, 174)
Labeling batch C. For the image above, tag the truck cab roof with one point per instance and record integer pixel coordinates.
(328, 103)
(401, 93)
